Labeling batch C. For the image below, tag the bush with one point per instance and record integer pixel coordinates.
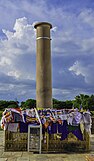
(92, 113)
(1, 114)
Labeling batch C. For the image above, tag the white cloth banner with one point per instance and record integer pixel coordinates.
(13, 127)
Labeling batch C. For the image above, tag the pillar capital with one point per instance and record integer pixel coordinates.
(42, 24)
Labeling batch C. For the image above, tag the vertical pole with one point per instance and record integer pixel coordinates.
(43, 66)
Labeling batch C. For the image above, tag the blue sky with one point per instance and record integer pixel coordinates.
(72, 47)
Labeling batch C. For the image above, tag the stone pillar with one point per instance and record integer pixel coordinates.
(43, 66)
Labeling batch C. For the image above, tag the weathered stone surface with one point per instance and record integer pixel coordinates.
(6, 154)
(23, 159)
(16, 154)
(43, 66)
(3, 159)
(12, 159)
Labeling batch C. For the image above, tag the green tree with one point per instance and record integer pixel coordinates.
(13, 106)
(3, 105)
(91, 103)
(58, 104)
(69, 104)
(30, 103)
(22, 105)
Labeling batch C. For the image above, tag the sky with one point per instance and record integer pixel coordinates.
(72, 47)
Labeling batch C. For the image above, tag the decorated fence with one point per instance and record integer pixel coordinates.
(65, 130)
(62, 130)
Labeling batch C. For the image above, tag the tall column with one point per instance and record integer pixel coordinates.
(43, 66)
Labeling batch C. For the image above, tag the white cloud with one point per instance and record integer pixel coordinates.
(67, 94)
(87, 16)
(77, 68)
(15, 74)
(19, 42)
(72, 39)
(75, 33)
(5, 61)
(85, 70)
(88, 45)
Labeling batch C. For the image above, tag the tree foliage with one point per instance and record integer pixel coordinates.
(85, 101)
(30, 103)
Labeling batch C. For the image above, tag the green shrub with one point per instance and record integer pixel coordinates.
(1, 114)
(92, 113)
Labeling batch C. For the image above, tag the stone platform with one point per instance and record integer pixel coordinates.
(29, 156)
